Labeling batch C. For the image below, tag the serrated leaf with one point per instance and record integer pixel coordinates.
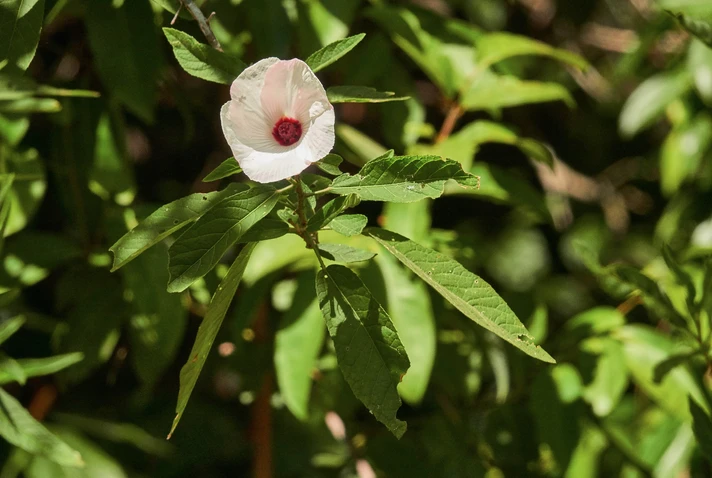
(492, 92)
(19, 428)
(43, 366)
(403, 179)
(498, 46)
(330, 210)
(201, 247)
(360, 94)
(201, 60)
(10, 326)
(324, 57)
(297, 345)
(225, 169)
(702, 427)
(330, 164)
(208, 330)
(166, 220)
(368, 349)
(345, 254)
(349, 224)
(467, 292)
(20, 27)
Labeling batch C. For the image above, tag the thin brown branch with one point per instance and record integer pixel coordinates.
(203, 23)
(453, 114)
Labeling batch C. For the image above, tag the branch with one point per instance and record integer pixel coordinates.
(202, 23)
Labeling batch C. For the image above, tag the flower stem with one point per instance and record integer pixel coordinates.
(453, 114)
(312, 239)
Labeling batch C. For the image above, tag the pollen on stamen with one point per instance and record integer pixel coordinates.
(287, 131)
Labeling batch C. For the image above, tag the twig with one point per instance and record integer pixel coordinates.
(202, 23)
(175, 17)
(453, 114)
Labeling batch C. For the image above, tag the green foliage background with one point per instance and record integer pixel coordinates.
(589, 125)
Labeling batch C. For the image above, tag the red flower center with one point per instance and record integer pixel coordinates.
(287, 131)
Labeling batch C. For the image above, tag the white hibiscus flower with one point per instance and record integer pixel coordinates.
(279, 119)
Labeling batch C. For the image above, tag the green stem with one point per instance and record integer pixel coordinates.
(312, 239)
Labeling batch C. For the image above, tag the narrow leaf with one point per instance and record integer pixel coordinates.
(20, 26)
(702, 427)
(165, 221)
(403, 179)
(201, 60)
(200, 248)
(669, 364)
(360, 94)
(498, 46)
(226, 168)
(349, 224)
(208, 330)
(467, 292)
(330, 210)
(11, 369)
(44, 366)
(324, 57)
(368, 349)
(19, 428)
(10, 326)
(493, 92)
(345, 254)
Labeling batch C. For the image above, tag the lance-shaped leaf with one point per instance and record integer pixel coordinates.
(20, 26)
(349, 224)
(200, 248)
(498, 46)
(330, 164)
(403, 179)
(324, 57)
(702, 427)
(227, 168)
(10, 326)
(330, 210)
(369, 352)
(345, 254)
(208, 330)
(492, 91)
(42, 366)
(270, 227)
(467, 292)
(201, 60)
(361, 94)
(166, 220)
(18, 427)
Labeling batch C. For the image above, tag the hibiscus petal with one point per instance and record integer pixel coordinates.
(269, 167)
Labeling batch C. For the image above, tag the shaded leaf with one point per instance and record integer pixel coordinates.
(202, 246)
(330, 164)
(360, 94)
(349, 224)
(43, 366)
(368, 349)
(203, 61)
(330, 210)
(364, 147)
(11, 369)
(701, 28)
(467, 292)
(10, 326)
(702, 427)
(225, 169)
(666, 366)
(345, 254)
(209, 330)
(20, 26)
(324, 57)
(271, 227)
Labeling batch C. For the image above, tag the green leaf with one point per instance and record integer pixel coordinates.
(11, 369)
(411, 311)
(349, 224)
(10, 326)
(492, 92)
(345, 254)
(330, 210)
(203, 61)
(610, 380)
(681, 276)
(683, 152)
(111, 176)
(28, 188)
(330, 164)
(227, 168)
(702, 427)
(669, 364)
(128, 61)
(403, 179)
(648, 102)
(360, 94)
(368, 349)
(297, 345)
(498, 46)
(19, 428)
(166, 220)
(467, 292)
(364, 147)
(21, 22)
(43, 366)
(30, 105)
(701, 28)
(202, 246)
(324, 57)
(271, 227)
(209, 330)
(699, 62)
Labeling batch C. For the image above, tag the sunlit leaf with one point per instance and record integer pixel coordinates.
(330, 210)
(330, 164)
(9, 326)
(349, 224)
(344, 254)
(201, 60)
(227, 168)
(361, 94)
(498, 46)
(332, 52)
(491, 92)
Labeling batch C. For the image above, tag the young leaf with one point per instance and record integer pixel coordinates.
(208, 330)
(18, 427)
(43, 366)
(467, 292)
(498, 46)
(330, 164)
(330, 210)
(345, 254)
(361, 94)
(368, 349)
(21, 22)
(165, 221)
(324, 57)
(702, 427)
(349, 224)
(297, 345)
(226, 168)
(403, 179)
(201, 60)
(200, 248)
(10, 326)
